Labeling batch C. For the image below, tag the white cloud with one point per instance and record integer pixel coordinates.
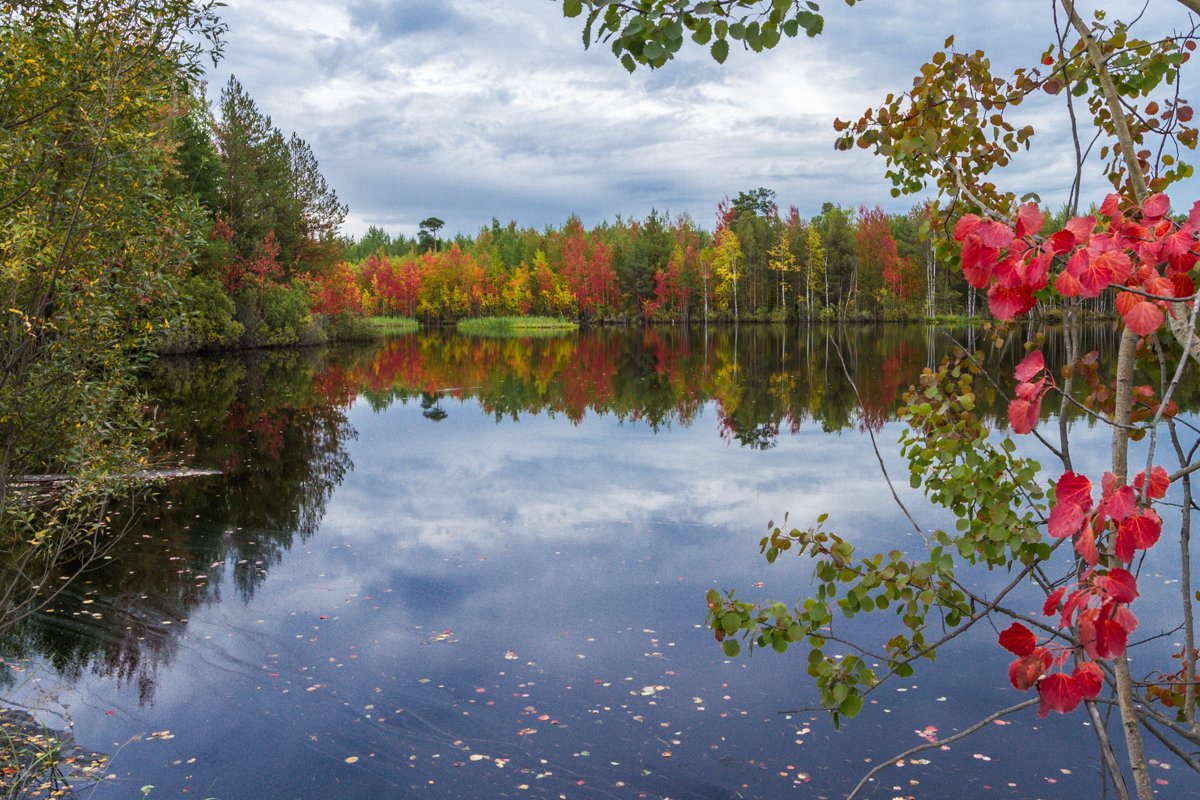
(471, 109)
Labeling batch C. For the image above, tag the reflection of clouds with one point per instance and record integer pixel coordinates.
(585, 550)
(545, 478)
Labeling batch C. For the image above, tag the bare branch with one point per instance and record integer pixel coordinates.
(978, 726)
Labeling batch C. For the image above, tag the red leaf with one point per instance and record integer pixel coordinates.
(1119, 504)
(1081, 227)
(1119, 584)
(1065, 520)
(1061, 242)
(978, 262)
(1057, 692)
(1159, 481)
(1018, 640)
(1030, 366)
(1031, 391)
(1115, 263)
(1125, 301)
(1068, 285)
(1179, 242)
(1024, 672)
(1163, 287)
(1075, 489)
(1037, 271)
(1023, 415)
(1077, 598)
(1090, 625)
(1125, 618)
(1085, 545)
(1077, 264)
(1088, 679)
(994, 234)
(1143, 529)
(1029, 219)
(1158, 205)
(1111, 205)
(1123, 546)
(1051, 605)
(1184, 287)
(1005, 303)
(1111, 637)
(1010, 272)
(1144, 318)
(966, 225)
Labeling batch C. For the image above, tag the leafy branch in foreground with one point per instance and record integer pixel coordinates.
(651, 33)
(954, 131)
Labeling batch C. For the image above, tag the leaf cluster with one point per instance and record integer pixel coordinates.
(651, 32)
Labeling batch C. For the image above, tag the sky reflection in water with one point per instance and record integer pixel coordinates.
(508, 608)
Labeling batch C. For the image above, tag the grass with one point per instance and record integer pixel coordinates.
(394, 324)
(501, 326)
(38, 762)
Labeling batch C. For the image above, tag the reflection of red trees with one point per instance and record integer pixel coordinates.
(658, 375)
(878, 392)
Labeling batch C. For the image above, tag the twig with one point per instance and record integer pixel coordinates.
(875, 447)
(930, 745)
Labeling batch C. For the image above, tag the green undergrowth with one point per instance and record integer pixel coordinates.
(502, 326)
(394, 324)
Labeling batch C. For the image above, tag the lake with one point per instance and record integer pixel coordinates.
(451, 567)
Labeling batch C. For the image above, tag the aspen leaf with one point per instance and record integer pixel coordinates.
(1030, 366)
(1018, 640)
(1144, 318)
(1157, 206)
(1057, 692)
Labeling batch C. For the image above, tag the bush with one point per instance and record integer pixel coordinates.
(205, 319)
(277, 315)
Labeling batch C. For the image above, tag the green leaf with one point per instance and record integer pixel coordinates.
(572, 8)
(628, 62)
(813, 24)
(851, 705)
(731, 647)
(720, 51)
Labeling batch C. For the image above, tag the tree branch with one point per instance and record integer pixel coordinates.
(978, 726)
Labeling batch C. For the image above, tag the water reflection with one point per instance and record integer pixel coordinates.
(393, 523)
(275, 425)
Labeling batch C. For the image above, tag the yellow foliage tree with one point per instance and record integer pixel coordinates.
(726, 264)
(90, 244)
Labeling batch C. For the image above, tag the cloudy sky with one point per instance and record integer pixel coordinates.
(473, 109)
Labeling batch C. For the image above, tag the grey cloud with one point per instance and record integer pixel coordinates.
(471, 109)
(389, 20)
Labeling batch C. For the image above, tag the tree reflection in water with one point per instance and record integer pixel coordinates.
(276, 425)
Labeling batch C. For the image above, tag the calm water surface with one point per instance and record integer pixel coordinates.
(446, 567)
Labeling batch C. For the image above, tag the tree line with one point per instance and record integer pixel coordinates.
(757, 264)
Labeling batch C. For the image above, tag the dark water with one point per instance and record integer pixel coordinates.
(454, 568)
